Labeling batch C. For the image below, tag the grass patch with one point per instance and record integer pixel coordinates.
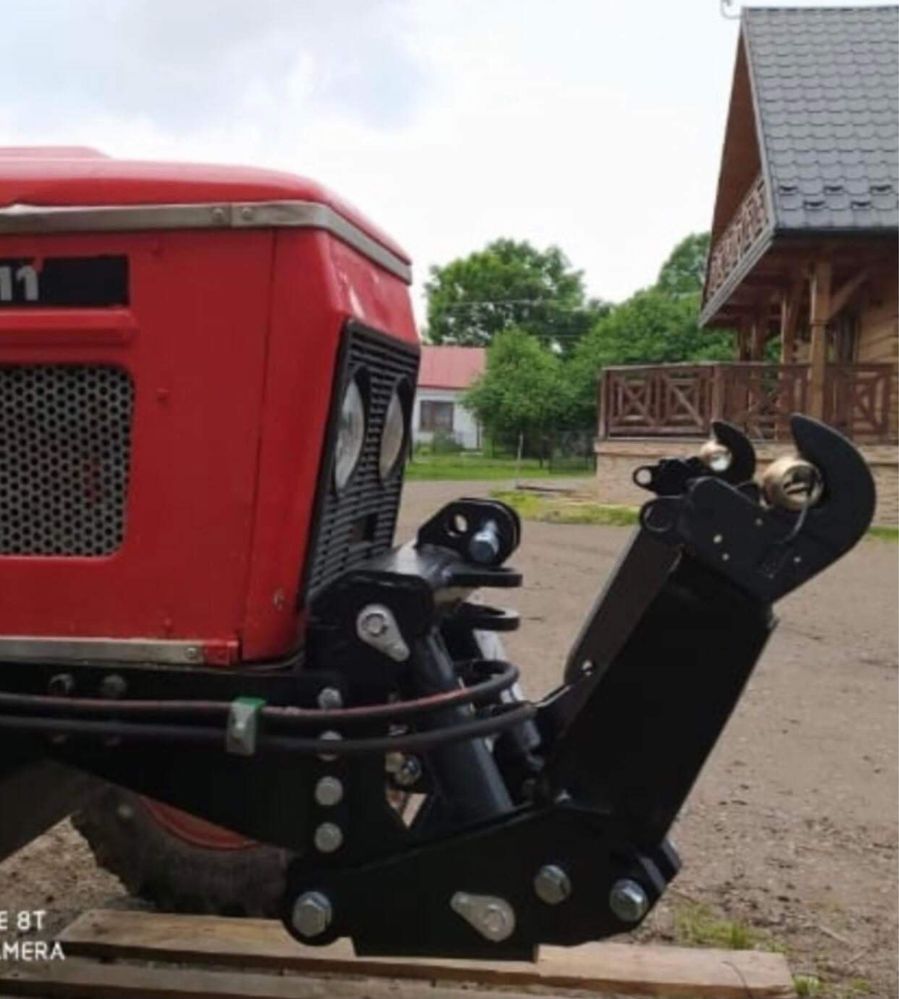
(696, 925)
(807, 985)
(472, 466)
(568, 510)
(564, 510)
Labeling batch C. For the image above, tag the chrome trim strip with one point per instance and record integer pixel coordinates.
(33, 219)
(24, 648)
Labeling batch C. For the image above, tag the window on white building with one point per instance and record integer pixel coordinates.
(435, 415)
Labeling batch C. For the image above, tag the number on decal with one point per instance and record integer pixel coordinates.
(27, 277)
(23, 280)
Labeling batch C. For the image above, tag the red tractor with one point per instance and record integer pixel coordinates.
(210, 648)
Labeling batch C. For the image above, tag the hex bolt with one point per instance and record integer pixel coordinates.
(628, 900)
(124, 812)
(373, 622)
(61, 685)
(484, 544)
(312, 914)
(328, 837)
(496, 922)
(330, 737)
(330, 699)
(552, 884)
(409, 772)
(113, 686)
(328, 792)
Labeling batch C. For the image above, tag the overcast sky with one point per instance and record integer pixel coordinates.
(592, 124)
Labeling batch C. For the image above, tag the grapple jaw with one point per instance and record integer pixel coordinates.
(535, 823)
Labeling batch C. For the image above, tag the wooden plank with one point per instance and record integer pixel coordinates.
(819, 313)
(789, 319)
(75, 979)
(597, 968)
(842, 294)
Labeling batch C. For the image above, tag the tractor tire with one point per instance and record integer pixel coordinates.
(153, 851)
(219, 874)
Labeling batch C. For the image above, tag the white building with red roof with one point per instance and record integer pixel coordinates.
(446, 372)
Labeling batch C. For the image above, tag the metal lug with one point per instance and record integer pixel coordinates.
(243, 726)
(491, 916)
(377, 627)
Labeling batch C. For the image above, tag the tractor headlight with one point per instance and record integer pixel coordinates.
(393, 435)
(350, 434)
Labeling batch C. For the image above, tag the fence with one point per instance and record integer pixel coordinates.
(683, 399)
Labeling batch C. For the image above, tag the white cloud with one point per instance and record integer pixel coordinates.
(592, 124)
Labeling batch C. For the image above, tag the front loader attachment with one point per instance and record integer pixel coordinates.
(429, 808)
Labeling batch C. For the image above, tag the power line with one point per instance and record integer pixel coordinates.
(534, 302)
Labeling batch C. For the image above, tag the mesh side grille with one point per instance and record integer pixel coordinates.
(360, 521)
(65, 445)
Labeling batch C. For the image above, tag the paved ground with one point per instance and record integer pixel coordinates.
(792, 827)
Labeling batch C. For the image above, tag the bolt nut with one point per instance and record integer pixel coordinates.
(483, 547)
(328, 837)
(552, 884)
(716, 456)
(312, 914)
(792, 483)
(328, 792)
(330, 699)
(628, 900)
(409, 772)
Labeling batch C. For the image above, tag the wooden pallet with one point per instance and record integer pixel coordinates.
(107, 955)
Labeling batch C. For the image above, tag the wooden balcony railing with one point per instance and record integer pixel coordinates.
(747, 224)
(681, 400)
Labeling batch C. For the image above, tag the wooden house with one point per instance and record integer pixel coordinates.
(803, 259)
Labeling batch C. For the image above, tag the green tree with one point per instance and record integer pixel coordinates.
(651, 327)
(522, 390)
(683, 273)
(509, 283)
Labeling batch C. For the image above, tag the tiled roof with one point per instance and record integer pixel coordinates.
(825, 85)
(450, 367)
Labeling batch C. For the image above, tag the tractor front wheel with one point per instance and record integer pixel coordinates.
(181, 863)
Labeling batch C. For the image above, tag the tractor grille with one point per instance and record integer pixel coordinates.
(65, 444)
(360, 521)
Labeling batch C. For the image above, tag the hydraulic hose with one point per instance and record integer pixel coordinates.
(269, 742)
